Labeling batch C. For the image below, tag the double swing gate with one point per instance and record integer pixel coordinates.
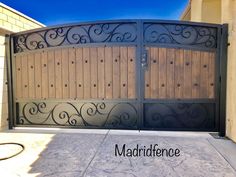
(129, 74)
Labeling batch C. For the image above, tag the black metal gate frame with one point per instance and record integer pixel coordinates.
(138, 33)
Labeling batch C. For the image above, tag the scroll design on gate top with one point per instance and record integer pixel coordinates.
(77, 34)
(178, 34)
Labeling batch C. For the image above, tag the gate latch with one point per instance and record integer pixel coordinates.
(144, 59)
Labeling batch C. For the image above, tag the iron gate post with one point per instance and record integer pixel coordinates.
(8, 60)
(223, 78)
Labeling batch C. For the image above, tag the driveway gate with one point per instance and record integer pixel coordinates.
(129, 74)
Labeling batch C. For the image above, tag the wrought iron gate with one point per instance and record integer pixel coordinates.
(129, 74)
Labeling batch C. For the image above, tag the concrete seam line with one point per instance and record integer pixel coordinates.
(221, 155)
(100, 145)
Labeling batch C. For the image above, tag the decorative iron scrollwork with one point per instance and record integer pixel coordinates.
(180, 34)
(77, 34)
(179, 115)
(114, 115)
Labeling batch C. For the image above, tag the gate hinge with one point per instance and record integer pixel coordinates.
(220, 79)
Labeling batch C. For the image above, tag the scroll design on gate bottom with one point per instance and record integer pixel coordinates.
(72, 114)
(181, 115)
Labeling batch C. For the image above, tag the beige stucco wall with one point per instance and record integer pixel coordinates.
(229, 16)
(203, 11)
(3, 86)
(10, 21)
(221, 11)
(211, 11)
(196, 10)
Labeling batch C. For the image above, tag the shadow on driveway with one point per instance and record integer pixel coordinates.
(76, 154)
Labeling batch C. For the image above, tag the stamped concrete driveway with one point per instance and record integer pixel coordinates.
(72, 153)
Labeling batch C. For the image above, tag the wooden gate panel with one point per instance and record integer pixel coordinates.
(81, 73)
(179, 74)
(64, 73)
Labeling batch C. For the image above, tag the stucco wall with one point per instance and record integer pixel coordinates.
(10, 21)
(229, 16)
(3, 86)
(196, 10)
(211, 11)
(222, 11)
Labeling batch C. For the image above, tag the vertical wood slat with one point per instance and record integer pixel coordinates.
(147, 75)
(170, 74)
(38, 75)
(162, 73)
(154, 63)
(204, 75)
(108, 71)
(51, 75)
(131, 73)
(87, 76)
(101, 73)
(31, 77)
(25, 86)
(18, 69)
(123, 72)
(58, 73)
(79, 73)
(179, 61)
(44, 65)
(211, 76)
(195, 74)
(187, 87)
(65, 73)
(116, 72)
(72, 74)
(94, 72)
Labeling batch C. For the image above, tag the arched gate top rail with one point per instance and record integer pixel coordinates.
(153, 32)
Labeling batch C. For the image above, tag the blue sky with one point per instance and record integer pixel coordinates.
(52, 12)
